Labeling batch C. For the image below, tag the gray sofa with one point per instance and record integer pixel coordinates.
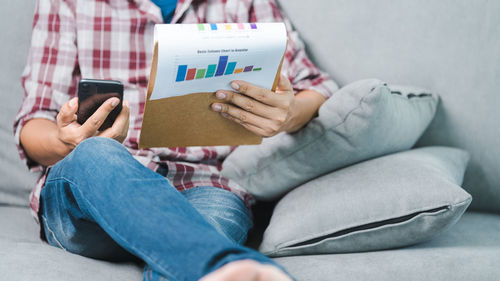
(451, 47)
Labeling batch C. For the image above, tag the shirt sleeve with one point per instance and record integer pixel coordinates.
(50, 76)
(297, 66)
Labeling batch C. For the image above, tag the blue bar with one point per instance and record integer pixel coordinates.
(181, 73)
(230, 68)
(213, 26)
(221, 66)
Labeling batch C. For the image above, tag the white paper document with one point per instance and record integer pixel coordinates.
(195, 58)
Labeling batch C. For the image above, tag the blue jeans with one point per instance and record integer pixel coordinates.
(100, 202)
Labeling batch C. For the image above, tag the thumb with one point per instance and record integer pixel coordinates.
(284, 84)
(67, 113)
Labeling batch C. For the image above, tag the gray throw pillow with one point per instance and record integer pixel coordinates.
(363, 120)
(388, 202)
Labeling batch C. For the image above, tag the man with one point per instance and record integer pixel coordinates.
(106, 198)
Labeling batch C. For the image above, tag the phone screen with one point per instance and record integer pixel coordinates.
(92, 93)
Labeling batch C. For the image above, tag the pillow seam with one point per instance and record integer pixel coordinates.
(282, 245)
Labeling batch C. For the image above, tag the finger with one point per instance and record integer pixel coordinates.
(244, 116)
(258, 93)
(252, 128)
(67, 114)
(119, 129)
(127, 122)
(284, 85)
(95, 121)
(247, 104)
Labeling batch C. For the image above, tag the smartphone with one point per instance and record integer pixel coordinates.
(92, 93)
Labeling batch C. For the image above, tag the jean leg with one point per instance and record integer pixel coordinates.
(66, 227)
(142, 212)
(223, 210)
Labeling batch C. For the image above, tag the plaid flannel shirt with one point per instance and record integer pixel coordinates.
(113, 39)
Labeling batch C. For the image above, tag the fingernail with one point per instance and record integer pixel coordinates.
(114, 102)
(72, 102)
(125, 102)
(217, 107)
(235, 85)
(224, 114)
(220, 95)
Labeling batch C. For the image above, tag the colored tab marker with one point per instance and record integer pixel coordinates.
(253, 26)
(201, 27)
(241, 26)
(239, 70)
(181, 73)
(213, 26)
(228, 27)
(248, 68)
(257, 69)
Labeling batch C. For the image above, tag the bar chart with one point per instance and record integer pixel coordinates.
(206, 57)
(223, 67)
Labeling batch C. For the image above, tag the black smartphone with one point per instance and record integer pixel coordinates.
(92, 93)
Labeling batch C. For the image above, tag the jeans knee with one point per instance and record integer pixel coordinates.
(224, 210)
(92, 155)
(98, 146)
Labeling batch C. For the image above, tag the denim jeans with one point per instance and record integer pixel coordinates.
(101, 203)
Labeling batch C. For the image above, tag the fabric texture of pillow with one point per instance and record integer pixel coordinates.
(363, 120)
(392, 201)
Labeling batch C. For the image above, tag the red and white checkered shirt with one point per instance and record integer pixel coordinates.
(113, 39)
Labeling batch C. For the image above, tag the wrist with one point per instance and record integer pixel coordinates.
(304, 107)
(295, 118)
(60, 148)
(40, 140)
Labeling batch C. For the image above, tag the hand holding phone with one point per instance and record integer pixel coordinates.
(92, 93)
(71, 127)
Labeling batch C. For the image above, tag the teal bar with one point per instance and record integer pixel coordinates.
(211, 70)
(230, 68)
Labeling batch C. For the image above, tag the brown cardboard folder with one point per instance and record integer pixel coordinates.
(188, 120)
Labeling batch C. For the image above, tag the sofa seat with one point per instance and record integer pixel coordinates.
(470, 250)
(24, 257)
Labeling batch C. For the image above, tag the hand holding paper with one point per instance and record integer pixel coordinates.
(191, 62)
(261, 111)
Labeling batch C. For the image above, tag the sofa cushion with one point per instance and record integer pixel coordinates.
(16, 181)
(363, 120)
(388, 202)
(470, 250)
(449, 46)
(24, 257)
(27, 261)
(18, 225)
